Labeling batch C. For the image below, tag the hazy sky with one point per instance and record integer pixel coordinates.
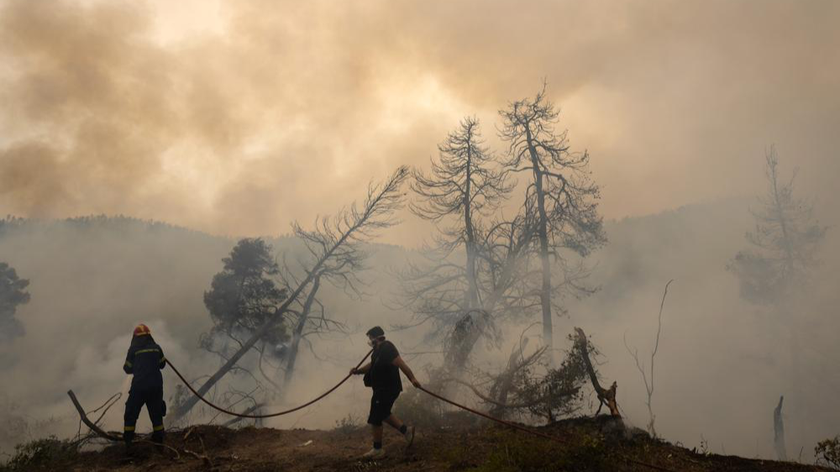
(238, 117)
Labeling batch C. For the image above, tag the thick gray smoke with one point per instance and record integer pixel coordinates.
(93, 279)
(265, 112)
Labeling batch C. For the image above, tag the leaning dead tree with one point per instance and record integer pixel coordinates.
(561, 194)
(641, 367)
(334, 244)
(310, 317)
(605, 396)
(301, 319)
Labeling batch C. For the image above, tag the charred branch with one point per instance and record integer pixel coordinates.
(605, 396)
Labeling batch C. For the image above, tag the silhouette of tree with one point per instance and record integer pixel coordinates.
(12, 294)
(783, 244)
(560, 194)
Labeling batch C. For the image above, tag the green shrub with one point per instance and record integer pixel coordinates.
(40, 454)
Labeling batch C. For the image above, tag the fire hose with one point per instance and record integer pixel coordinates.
(339, 384)
(270, 415)
(433, 394)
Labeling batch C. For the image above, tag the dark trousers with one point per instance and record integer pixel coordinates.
(380, 406)
(152, 397)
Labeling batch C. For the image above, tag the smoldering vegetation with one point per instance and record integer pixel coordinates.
(721, 366)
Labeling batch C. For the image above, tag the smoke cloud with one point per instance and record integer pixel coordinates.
(237, 117)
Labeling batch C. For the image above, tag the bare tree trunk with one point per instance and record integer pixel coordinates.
(472, 284)
(298, 332)
(545, 291)
(649, 385)
(779, 431)
(462, 342)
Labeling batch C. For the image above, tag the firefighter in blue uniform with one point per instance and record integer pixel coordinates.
(145, 360)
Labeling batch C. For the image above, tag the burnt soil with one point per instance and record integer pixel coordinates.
(585, 445)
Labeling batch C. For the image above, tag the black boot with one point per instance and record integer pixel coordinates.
(128, 439)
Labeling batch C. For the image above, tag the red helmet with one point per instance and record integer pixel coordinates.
(141, 330)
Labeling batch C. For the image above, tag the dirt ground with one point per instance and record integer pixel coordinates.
(588, 444)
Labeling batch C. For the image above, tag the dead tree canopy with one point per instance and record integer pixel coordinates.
(465, 186)
(605, 396)
(334, 244)
(783, 244)
(560, 194)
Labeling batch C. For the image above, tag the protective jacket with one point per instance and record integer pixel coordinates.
(145, 360)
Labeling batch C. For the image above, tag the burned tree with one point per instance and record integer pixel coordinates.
(300, 319)
(640, 366)
(504, 287)
(504, 281)
(333, 241)
(783, 243)
(605, 396)
(560, 193)
(12, 294)
(309, 317)
(463, 188)
(781, 257)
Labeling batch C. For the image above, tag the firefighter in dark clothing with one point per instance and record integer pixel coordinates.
(382, 374)
(145, 360)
